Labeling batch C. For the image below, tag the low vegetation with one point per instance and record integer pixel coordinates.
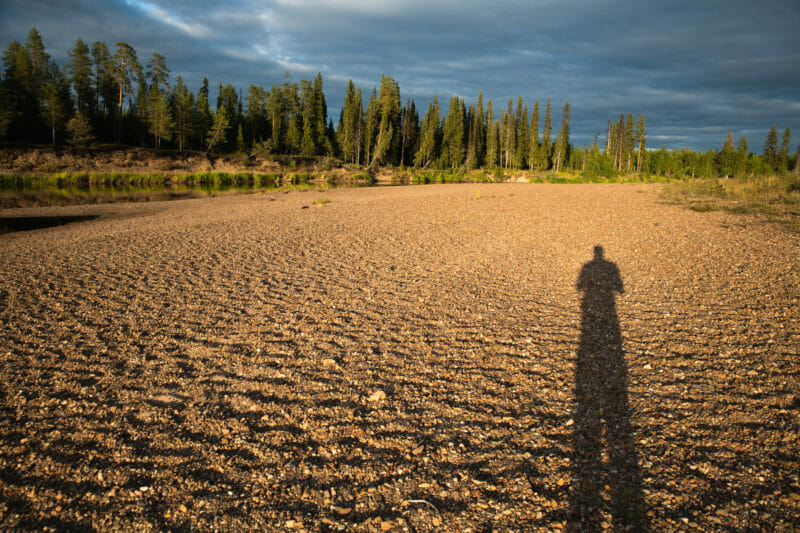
(776, 197)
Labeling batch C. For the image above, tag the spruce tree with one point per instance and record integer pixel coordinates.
(80, 70)
(641, 139)
(783, 153)
(770, 155)
(79, 130)
(727, 157)
(562, 140)
(217, 133)
(741, 156)
(547, 132)
(533, 151)
(387, 142)
(522, 134)
(429, 135)
(492, 137)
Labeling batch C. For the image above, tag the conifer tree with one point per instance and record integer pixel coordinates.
(533, 150)
(183, 107)
(410, 133)
(770, 155)
(276, 115)
(387, 142)
(492, 137)
(429, 135)
(371, 123)
(522, 134)
(629, 142)
(80, 70)
(562, 140)
(160, 118)
(727, 157)
(217, 133)
(126, 66)
(783, 153)
(546, 137)
(203, 119)
(79, 130)
(741, 156)
(452, 151)
(641, 139)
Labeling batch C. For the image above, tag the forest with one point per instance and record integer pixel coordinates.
(104, 95)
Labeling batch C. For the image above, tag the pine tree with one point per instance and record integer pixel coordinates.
(56, 105)
(523, 139)
(641, 139)
(727, 157)
(629, 142)
(492, 138)
(533, 162)
(79, 130)
(410, 133)
(371, 123)
(203, 118)
(160, 118)
(80, 70)
(783, 153)
(126, 66)
(546, 146)
(429, 135)
(183, 107)
(158, 73)
(276, 115)
(741, 156)
(562, 140)
(387, 142)
(770, 155)
(217, 133)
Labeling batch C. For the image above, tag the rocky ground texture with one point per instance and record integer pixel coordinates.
(399, 359)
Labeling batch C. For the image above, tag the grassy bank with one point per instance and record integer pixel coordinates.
(776, 197)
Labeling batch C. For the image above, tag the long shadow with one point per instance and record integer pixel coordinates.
(606, 476)
(12, 224)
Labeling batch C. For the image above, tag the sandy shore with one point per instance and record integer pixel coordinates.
(401, 358)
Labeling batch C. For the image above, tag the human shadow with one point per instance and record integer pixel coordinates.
(606, 476)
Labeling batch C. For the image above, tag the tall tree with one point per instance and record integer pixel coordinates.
(183, 108)
(158, 73)
(727, 157)
(770, 155)
(126, 69)
(429, 135)
(159, 117)
(523, 139)
(492, 137)
(387, 142)
(562, 140)
(533, 151)
(741, 156)
(218, 132)
(57, 105)
(547, 132)
(410, 133)
(641, 139)
(80, 70)
(783, 153)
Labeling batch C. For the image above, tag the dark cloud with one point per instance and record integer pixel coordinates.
(696, 70)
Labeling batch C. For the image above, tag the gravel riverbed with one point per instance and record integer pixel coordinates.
(429, 358)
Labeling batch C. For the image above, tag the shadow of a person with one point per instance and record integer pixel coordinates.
(601, 416)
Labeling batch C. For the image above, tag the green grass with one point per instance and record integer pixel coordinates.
(322, 200)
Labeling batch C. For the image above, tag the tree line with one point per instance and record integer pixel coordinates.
(108, 96)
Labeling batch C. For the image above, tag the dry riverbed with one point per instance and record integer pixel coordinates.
(400, 359)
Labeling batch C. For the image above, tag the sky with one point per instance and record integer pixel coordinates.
(695, 69)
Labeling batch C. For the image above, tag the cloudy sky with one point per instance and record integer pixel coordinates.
(695, 69)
